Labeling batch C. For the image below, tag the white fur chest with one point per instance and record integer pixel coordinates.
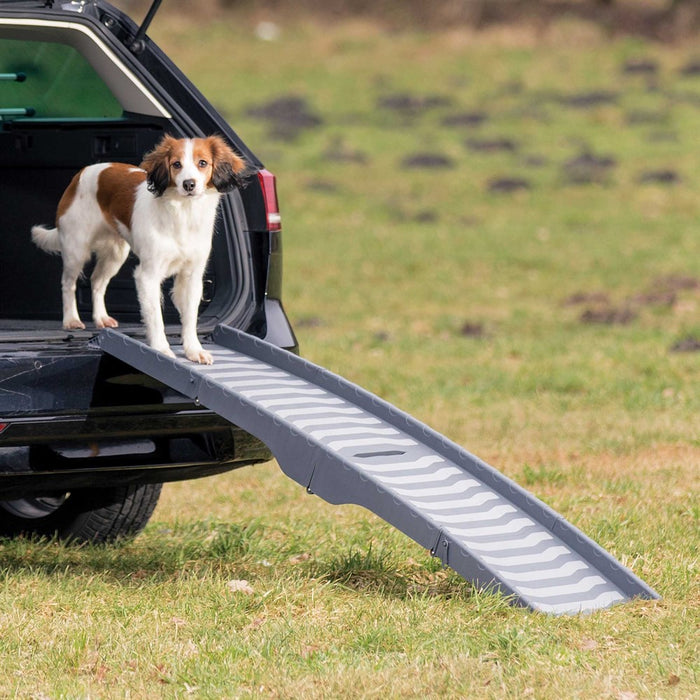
(174, 232)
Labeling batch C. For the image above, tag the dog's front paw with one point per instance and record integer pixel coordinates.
(106, 322)
(200, 355)
(165, 349)
(73, 324)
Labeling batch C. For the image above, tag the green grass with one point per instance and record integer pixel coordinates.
(385, 266)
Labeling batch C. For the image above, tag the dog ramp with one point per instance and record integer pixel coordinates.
(348, 446)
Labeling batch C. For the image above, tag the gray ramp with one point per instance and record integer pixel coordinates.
(348, 446)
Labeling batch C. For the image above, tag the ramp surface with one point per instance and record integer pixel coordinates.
(348, 446)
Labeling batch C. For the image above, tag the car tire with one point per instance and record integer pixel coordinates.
(97, 516)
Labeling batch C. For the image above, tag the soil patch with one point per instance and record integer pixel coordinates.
(310, 322)
(469, 119)
(674, 283)
(689, 344)
(430, 161)
(579, 298)
(588, 168)
(323, 186)
(589, 100)
(505, 185)
(599, 308)
(535, 161)
(426, 216)
(287, 115)
(338, 152)
(409, 105)
(655, 297)
(645, 117)
(640, 66)
(491, 145)
(608, 315)
(659, 177)
(691, 69)
(664, 291)
(472, 330)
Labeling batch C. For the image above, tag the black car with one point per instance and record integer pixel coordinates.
(86, 441)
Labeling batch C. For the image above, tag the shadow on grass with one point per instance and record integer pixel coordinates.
(206, 549)
(159, 554)
(203, 548)
(380, 573)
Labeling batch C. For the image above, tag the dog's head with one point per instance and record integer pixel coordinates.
(191, 166)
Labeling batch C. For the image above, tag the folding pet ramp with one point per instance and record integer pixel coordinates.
(348, 446)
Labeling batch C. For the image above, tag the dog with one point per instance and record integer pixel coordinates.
(164, 210)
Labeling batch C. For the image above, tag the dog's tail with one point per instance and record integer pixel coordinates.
(46, 238)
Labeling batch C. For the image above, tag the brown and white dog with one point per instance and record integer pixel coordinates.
(165, 211)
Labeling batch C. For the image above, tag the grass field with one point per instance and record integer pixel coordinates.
(499, 235)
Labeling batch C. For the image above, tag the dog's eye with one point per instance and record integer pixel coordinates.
(202, 163)
(177, 165)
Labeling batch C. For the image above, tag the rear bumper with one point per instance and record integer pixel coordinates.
(78, 419)
(63, 454)
(26, 483)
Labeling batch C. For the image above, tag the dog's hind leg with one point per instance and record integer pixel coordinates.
(72, 268)
(109, 259)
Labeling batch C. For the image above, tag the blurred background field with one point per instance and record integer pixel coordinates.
(491, 222)
(481, 226)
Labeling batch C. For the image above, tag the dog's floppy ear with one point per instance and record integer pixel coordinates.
(228, 168)
(157, 166)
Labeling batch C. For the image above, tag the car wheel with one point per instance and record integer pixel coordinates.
(99, 516)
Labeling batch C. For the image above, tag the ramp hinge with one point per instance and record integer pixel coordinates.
(441, 549)
(311, 480)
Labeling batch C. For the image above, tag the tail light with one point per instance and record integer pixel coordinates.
(3, 426)
(268, 183)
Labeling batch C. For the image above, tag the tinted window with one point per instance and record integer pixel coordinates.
(58, 83)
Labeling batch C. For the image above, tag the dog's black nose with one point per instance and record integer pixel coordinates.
(189, 185)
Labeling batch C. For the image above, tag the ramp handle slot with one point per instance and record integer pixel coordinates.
(382, 453)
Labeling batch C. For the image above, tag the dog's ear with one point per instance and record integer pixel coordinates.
(229, 169)
(156, 163)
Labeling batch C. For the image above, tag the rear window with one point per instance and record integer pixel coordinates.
(48, 80)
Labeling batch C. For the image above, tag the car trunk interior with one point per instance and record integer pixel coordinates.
(37, 161)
